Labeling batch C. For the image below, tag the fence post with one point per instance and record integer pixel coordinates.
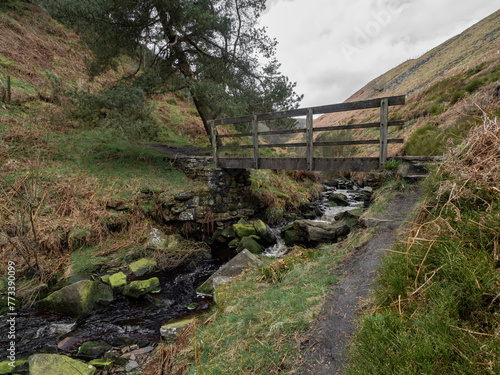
(213, 131)
(384, 119)
(310, 140)
(8, 90)
(255, 142)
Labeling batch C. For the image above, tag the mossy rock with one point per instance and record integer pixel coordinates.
(118, 280)
(54, 364)
(139, 288)
(264, 232)
(21, 366)
(251, 245)
(93, 349)
(339, 199)
(142, 266)
(105, 279)
(244, 230)
(78, 298)
(292, 237)
(228, 232)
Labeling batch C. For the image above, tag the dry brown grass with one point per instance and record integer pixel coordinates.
(477, 159)
(176, 255)
(165, 360)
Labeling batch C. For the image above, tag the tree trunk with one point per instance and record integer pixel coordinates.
(184, 67)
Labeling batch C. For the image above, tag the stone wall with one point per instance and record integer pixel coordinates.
(220, 202)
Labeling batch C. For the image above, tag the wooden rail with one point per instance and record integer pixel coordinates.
(309, 162)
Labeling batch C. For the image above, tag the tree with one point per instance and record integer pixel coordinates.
(214, 48)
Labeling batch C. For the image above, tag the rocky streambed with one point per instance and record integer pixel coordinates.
(116, 320)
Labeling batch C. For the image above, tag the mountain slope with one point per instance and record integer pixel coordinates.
(479, 43)
(446, 90)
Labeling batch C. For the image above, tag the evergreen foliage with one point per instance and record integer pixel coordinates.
(214, 48)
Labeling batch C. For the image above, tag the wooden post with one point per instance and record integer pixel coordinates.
(384, 120)
(213, 130)
(255, 142)
(8, 90)
(310, 140)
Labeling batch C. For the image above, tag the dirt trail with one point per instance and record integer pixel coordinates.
(324, 351)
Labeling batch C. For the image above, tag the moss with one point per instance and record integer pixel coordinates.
(58, 364)
(139, 288)
(142, 266)
(118, 280)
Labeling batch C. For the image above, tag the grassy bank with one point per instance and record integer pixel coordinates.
(437, 304)
(258, 321)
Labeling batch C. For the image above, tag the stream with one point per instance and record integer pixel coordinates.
(129, 321)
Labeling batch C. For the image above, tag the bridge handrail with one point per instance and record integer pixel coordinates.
(382, 103)
(320, 110)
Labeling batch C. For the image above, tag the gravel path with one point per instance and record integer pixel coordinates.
(324, 351)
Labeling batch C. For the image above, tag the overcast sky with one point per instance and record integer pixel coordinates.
(332, 48)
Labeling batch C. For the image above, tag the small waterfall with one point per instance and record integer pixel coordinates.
(355, 197)
(279, 248)
(352, 196)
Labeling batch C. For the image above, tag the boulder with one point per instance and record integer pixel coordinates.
(244, 260)
(351, 217)
(250, 244)
(54, 364)
(338, 199)
(78, 298)
(293, 237)
(228, 233)
(118, 280)
(93, 349)
(316, 232)
(264, 232)
(142, 266)
(173, 329)
(244, 229)
(139, 288)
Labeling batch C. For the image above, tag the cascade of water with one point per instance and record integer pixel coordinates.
(355, 199)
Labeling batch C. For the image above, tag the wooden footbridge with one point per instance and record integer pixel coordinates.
(311, 163)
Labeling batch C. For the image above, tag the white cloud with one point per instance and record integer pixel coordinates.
(333, 48)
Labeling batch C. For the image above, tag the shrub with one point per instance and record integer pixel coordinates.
(474, 85)
(456, 96)
(435, 109)
(122, 108)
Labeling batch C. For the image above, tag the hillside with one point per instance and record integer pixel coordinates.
(441, 88)
(469, 49)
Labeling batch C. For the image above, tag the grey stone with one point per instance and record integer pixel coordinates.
(241, 262)
(77, 299)
(187, 215)
(250, 244)
(132, 365)
(321, 232)
(339, 199)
